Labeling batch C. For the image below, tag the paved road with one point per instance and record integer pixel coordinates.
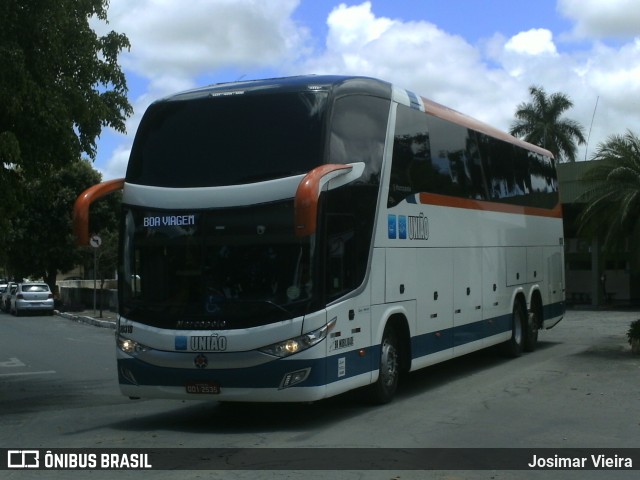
(579, 389)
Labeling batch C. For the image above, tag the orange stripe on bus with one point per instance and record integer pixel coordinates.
(471, 204)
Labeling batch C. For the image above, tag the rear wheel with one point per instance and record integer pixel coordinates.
(531, 333)
(389, 371)
(515, 345)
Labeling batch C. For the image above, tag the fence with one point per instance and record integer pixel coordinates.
(78, 295)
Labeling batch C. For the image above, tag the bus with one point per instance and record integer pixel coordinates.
(288, 240)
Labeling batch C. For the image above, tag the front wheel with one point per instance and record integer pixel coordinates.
(389, 371)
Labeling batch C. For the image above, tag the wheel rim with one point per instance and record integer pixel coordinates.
(388, 364)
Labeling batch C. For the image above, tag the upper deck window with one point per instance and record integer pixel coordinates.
(228, 140)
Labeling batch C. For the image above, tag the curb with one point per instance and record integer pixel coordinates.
(87, 320)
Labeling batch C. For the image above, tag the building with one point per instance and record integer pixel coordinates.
(593, 277)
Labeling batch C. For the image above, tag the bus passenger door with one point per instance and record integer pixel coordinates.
(467, 300)
(352, 332)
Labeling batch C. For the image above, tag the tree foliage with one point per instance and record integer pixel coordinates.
(60, 85)
(612, 210)
(42, 241)
(539, 122)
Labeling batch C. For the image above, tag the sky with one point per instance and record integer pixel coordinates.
(476, 56)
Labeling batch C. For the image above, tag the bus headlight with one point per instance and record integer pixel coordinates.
(131, 347)
(298, 344)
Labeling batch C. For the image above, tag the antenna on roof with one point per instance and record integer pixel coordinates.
(586, 148)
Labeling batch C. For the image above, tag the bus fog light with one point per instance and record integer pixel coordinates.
(293, 378)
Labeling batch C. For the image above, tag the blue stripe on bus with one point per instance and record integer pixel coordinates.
(323, 370)
(434, 342)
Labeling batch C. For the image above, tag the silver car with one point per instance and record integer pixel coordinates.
(32, 297)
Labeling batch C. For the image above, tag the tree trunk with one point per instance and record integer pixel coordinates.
(50, 279)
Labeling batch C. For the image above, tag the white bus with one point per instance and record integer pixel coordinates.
(292, 239)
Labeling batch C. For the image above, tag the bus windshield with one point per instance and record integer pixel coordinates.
(218, 269)
(228, 140)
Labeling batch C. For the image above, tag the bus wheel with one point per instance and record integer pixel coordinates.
(385, 387)
(515, 345)
(531, 333)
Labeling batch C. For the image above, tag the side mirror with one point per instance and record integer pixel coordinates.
(305, 204)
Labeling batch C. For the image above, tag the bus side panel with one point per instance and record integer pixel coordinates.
(433, 341)
(350, 336)
(535, 265)
(467, 300)
(401, 281)
(553, 305)
(496, 296)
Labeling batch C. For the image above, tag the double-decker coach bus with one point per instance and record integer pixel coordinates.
(292, 239)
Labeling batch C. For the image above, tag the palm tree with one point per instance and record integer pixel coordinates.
(539, 122)
(612, 198)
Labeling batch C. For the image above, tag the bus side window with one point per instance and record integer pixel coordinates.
(340, 255)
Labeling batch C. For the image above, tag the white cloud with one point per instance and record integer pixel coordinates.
(354, 27)
(116, 165)
(533, 42)
(489, 80)
(184, 39)
(603, 18)
(174, 47)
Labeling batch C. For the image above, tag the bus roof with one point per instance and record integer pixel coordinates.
(344, 85)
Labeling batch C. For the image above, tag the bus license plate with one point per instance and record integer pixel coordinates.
(204, 388)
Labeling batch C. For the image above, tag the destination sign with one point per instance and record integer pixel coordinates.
(169, 221)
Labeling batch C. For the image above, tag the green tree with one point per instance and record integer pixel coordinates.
(539, 122)
(60, 83)
(612, 210)
(41, 241)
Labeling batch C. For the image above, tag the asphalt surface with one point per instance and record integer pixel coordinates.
(581, 389)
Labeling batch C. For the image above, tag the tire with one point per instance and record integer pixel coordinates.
(515, 345)
(385, 387)
(531, 332)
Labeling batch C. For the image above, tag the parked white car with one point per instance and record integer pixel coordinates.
(32, 297)
(5, 298)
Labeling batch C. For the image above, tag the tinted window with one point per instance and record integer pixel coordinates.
(436, 156)
(518, 176)
(35, 288)
(432, 155)
(228, 140)
(455, 155)
(358, 131)
(411, 171)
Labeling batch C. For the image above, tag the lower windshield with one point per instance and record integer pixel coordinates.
(218, 269)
